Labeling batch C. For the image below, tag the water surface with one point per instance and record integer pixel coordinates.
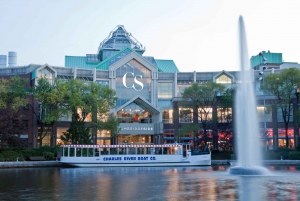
(175, 183)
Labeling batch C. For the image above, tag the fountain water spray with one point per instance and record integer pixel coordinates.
(246, 124)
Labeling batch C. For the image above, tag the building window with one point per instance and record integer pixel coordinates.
(46, 141)
(224, 79)
(268, 114)
(181, 88)
(135, 139)
(164, 90)
(282, 138)
(224, 115)
(204, 114)
(186, 115)
(267, 138)
(60, 132)
(280, 115)
(225, 140)
(103, 137)
(133, 113)
(167, 116)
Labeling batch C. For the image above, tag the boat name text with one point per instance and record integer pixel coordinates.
(140, 158)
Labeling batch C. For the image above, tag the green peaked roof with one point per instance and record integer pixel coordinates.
(80, 62)
(166, 65)
(104, 65)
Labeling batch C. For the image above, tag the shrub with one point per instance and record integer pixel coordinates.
(283, 152)
(12, 156)
(294, 155)
(44, 149)
(1, 158)
(48, 155)
(221, 155)
(271, 155)
(29, 152)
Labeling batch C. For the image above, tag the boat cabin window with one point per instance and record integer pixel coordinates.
(78, 151)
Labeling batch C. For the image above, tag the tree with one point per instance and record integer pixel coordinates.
(204, 98)
(13, 98)
(283, 86)
(50, 98)
(87, 99)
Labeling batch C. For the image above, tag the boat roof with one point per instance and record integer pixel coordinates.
(118, 146)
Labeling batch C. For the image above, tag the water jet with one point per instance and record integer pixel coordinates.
(246, 126)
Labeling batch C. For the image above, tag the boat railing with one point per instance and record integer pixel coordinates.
(98, 150)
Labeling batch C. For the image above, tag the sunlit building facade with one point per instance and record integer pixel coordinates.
(148, 93)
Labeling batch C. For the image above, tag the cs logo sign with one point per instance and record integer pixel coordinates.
(135, 80)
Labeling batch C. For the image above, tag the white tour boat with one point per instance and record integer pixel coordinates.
(132, 155)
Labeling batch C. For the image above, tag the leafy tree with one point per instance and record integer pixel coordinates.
(204, 98)
(51, 105)
(283, 86)
(13, 98)
(87, 99)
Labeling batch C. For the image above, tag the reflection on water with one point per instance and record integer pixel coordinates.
(193, 183)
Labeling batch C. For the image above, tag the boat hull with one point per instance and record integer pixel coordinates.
(138, 161)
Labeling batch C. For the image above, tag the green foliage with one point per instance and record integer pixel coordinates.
(29, 152)
(13, 96)
(271, 155)
(283, 86)
(294, 155)
(221, 155)
(11, 156)
(49, 156)
(112, 125)
(43, 149)
(13, 93)
(298, 147)
(51, 97)
(204, 97)
(88, 99)
(77, 134)
(283, 152)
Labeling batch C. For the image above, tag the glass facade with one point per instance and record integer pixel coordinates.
(165, 94)
(133, 113)
(224, 79)
(280, 114)
(204, 114)
(224, 115)
(268, 114)
(104, 83)
(167, 116)
(60, 132)
(181, 88)
(186, 115)
(132, 79)
(135, 139)
(282, 137)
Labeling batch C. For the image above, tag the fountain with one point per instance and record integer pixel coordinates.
(246, 125)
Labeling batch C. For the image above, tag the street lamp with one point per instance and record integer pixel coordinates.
(261, 78)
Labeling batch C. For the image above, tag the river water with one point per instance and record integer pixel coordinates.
(130, 184)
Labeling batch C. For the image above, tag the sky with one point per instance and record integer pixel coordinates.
(199, 35)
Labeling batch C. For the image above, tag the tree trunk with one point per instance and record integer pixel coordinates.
(286, 136)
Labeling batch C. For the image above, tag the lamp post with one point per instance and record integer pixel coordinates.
(261, 78)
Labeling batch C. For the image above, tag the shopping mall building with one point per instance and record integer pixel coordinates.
(148, 91)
